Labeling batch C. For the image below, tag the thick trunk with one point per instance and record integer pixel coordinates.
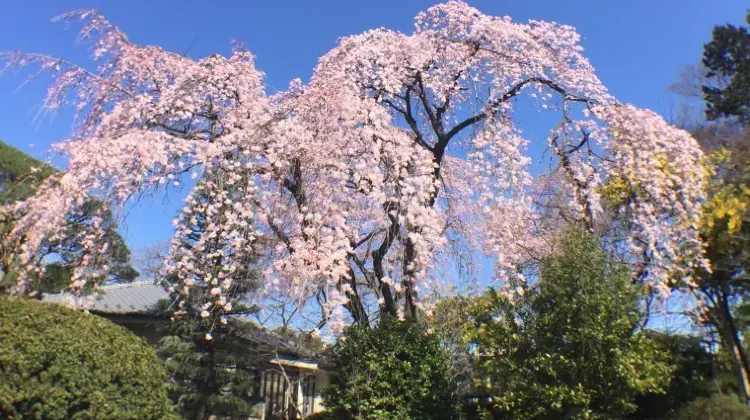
(389, 302)
(410, 295)
(201, 412)
(731, 340)
(355, 306)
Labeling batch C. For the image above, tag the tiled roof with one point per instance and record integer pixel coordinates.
(130, 298)
(142, 298)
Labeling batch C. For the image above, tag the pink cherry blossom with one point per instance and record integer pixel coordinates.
(400, 152)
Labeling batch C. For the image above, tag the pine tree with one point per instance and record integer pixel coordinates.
(727, 59)
(211, 363)
(20, 177)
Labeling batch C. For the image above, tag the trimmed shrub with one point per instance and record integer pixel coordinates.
(715, 407)
(393, 371)
(60, 363)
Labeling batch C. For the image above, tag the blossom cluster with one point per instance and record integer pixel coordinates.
(399, 145)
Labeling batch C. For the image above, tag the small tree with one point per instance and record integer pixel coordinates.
(206, 350)
(210, 377)
(57, 363)
(448, 319)
(396, 370)
(568, 347)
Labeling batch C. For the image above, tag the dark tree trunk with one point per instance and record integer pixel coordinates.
(730, 337)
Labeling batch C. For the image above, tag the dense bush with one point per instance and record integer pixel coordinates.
(696, 375)
(393, 371)
(716, 407)
(568, 345)
(59, 363)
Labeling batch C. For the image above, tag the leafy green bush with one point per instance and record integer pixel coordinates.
(716, 407)
(393, 371)
(59, 363)
(568, 346)
(695, 376)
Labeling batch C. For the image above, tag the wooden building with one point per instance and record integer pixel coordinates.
(288, 382)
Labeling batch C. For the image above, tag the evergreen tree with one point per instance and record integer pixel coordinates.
(20, 176)
(727, 59)
(206, 352)
(568, 346)
(214, 377)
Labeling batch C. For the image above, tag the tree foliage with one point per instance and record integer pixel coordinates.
(696, 372)
(727, 59)
(725, 227)
(724, 85)
(448, 321)
(57, 363)
(395, 370)
(214, 377)
(567, 347)
(20, 176)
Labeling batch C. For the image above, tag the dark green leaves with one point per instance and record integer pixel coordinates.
(727, 58)
(396, 370)
(60, 364)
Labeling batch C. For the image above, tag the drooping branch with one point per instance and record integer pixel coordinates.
(363, 150)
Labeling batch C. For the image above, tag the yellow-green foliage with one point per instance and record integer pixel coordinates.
(726, 206)
(728, 203)
(615, 191)
(59, 364)
(619, 187)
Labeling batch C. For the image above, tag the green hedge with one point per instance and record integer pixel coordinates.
(715, 407)
(59, 363)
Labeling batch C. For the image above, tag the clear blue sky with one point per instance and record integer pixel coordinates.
(638, 47)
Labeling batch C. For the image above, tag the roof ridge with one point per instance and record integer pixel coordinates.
(128, 285)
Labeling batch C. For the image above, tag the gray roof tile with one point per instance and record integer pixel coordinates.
(142, 298)
(130, 298)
